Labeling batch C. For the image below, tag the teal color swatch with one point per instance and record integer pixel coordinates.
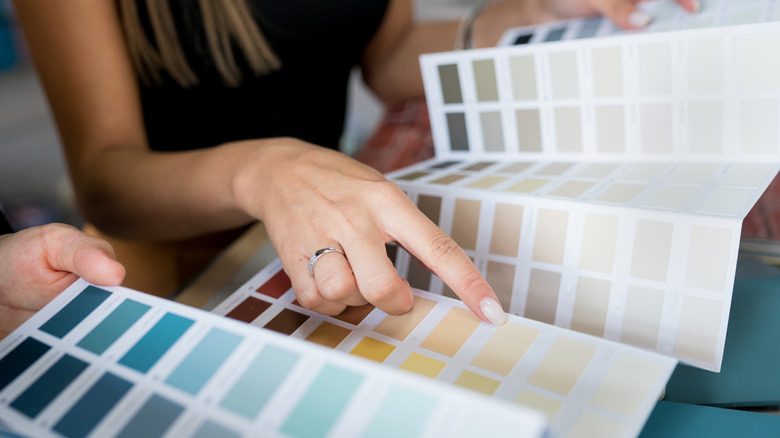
(323, 402)
(195, 370)
(93, 406)
(153, 419)
(156, 342)
(403, 412)
(210, 429)
(49, 385)
(19, 359)
(113, 326)
(260, 380)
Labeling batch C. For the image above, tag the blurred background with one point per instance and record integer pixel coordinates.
(34, 185)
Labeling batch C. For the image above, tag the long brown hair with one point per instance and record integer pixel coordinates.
(225, 22)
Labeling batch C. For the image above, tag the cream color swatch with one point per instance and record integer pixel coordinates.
(505, 348)
(563, 365)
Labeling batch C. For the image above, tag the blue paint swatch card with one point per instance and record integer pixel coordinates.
(116, 362)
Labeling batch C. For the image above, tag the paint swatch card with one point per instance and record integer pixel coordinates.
(600, 183)
(699, 96)
(585, 385)
(114, 362)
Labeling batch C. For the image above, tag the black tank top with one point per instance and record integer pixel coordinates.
(318, 43)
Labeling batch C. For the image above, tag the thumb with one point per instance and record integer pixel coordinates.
(91, 258)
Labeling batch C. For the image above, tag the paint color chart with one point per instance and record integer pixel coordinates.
(589, 260)
(699, 95)
(116, 362)
(600, 183)
(585, 385)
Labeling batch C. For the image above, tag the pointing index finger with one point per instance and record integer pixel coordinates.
(442, 255)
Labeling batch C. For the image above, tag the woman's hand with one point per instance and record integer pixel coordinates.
(316, 198)
(38, 263)
(624, 13)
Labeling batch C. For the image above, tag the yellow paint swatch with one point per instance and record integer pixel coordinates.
(507, 345)
(373, 349)
(627, 385)
(328, 335)
(539, 402)
(562, 365)
(451, 332)
(423, 365)
(477, 382)
(400, 326)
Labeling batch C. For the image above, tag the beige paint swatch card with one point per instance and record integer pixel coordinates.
(600, 184)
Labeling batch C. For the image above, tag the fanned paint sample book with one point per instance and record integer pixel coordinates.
(600, 184)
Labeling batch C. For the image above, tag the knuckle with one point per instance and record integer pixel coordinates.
(309, 298)
(471, 281)
(385, 190)
(382, 291)
(337, 287)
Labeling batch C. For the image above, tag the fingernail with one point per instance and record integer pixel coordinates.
(696, 6)
(492, 311)
(639, 19)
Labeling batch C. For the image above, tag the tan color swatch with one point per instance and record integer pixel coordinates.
(465, 223)
(400, 326)
(452, 332)
(328, 335)
(507, 222)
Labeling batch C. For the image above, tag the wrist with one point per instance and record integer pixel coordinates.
(464, 38)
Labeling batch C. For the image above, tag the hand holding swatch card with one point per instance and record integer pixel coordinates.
(116, 362)
(667, 15)
(600, 184)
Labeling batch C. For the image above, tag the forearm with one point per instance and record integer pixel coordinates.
(141, 194)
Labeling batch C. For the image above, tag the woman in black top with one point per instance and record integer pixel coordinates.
(182, 119)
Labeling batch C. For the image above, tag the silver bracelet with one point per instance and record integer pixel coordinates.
(464, 39)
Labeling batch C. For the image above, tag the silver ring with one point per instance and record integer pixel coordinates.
(319, 253)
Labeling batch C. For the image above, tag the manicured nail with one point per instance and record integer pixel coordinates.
(639, 19)
(492, 311)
